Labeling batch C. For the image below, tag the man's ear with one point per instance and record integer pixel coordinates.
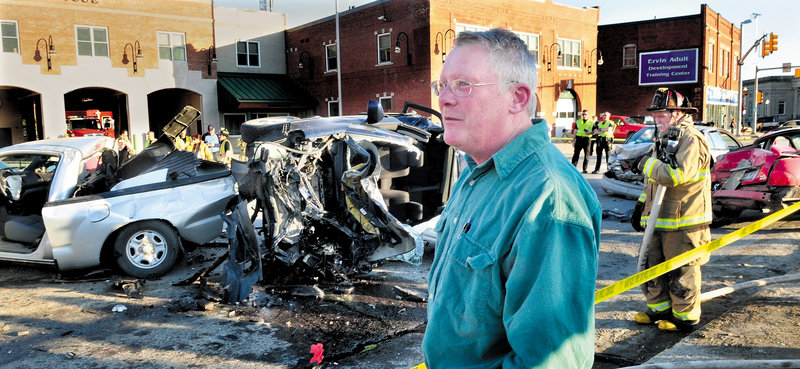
(521, 95)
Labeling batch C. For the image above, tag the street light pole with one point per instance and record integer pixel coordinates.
(739, 63)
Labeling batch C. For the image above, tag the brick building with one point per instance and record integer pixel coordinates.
(141, 60)
(391, 50)
(695, 55)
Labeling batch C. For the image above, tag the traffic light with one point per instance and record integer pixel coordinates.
(773, 43)
(760, 97)
(764, 48)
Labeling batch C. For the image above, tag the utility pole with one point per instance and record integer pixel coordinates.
(755, 104)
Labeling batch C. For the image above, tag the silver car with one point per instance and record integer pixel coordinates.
(67, 202)
(620, 180)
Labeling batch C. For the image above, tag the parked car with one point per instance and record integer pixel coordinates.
(767, 126)
(790, 123)
(626, 126)
(764, 175)
(621, 181)
(68, 202)
(337, 193)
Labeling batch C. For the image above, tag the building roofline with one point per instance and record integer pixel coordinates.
(681, 17)
(341, 14)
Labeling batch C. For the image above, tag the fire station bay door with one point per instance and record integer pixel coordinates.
(565, 113)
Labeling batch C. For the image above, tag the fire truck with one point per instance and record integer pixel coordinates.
(92, 122)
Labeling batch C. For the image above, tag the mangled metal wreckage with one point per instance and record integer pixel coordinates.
(335, 194)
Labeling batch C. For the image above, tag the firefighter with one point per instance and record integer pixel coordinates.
(680, 162)
(582, 134)
(225, 147)
(604, 130)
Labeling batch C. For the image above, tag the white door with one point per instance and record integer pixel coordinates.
(565, 113)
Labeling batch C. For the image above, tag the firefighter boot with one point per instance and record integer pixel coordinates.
(651, 317)
(675, 325)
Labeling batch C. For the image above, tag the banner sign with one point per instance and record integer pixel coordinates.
(718, 96)
(668, 67)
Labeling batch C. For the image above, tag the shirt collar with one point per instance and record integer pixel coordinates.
(521, 147)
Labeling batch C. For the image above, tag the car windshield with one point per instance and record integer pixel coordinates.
(83, 124)
(38, 163)
(644, 135)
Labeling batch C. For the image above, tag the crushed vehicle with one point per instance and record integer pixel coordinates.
(68, 202)
(338, 194)
(763, 176)
(621, 181)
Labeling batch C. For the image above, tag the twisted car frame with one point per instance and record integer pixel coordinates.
(337, 194)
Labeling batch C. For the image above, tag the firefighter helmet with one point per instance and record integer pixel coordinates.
(669, 99)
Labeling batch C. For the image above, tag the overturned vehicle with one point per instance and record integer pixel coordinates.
(338, 194)
(70, 203)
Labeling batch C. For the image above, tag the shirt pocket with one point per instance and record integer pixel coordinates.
(473, 283)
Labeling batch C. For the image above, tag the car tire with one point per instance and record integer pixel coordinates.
(146, 249)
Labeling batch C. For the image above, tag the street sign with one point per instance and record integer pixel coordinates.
(787, 67)
(797, 73)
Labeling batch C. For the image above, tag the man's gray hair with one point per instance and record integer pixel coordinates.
(509, 56)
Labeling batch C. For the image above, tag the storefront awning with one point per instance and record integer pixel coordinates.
(261, 91)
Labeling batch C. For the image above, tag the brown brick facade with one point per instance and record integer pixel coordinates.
(426, 22)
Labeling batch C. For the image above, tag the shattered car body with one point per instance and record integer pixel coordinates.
(335, 192)
(68, 202)
(764, 175)
(621, 181)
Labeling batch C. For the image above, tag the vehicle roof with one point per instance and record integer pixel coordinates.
(86, 145)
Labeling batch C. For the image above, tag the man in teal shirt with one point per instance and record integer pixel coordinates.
(512, 282)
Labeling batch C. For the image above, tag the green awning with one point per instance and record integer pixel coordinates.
(261, 91)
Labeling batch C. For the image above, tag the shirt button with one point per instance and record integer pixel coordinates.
(471, 182)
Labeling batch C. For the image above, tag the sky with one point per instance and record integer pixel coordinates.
(777, 16)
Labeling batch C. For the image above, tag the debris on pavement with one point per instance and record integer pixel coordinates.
(412, 294)
(131, 287)
(618, 215)
(119, 308)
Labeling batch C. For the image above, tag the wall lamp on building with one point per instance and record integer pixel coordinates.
(302, 54)
(591, 59)
(51, 50)
(212, 58)
(397, 47)
(134, 47)
(550, 58)
(436, 43)
(444, 42)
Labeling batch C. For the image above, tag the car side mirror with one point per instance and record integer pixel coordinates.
(374, 112)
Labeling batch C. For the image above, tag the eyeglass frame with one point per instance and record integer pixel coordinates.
(453, 86)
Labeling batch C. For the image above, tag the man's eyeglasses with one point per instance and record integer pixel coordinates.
(460, 87)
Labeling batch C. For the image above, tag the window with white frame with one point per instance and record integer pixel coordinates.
(171, 46)
(711, 53)
(629, 56)
(724, 56)
(533, 43)
(735, 66)
(386, 103)
(248, 54)
(333, 108)
(8, 30)
(570, 53)
(469, 27)
(92, 41)
(781, 107)
(330, 58)
(267, 115)
(384, 48)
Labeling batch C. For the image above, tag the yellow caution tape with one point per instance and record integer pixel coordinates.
(619, 287)
(616, 288)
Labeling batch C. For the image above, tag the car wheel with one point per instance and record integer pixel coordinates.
(146, 249)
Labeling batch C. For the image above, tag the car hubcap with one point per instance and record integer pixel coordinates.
(146, 249)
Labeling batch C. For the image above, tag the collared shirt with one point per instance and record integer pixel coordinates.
(512, 282)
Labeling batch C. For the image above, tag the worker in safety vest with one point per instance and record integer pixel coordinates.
(225, 147)
(680, 162)
(582, 133)
(604, 130)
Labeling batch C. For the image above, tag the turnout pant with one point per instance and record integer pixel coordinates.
(678, 290)
(581, 144)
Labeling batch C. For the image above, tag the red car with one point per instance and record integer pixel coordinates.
(626, 126)
(764, 175)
